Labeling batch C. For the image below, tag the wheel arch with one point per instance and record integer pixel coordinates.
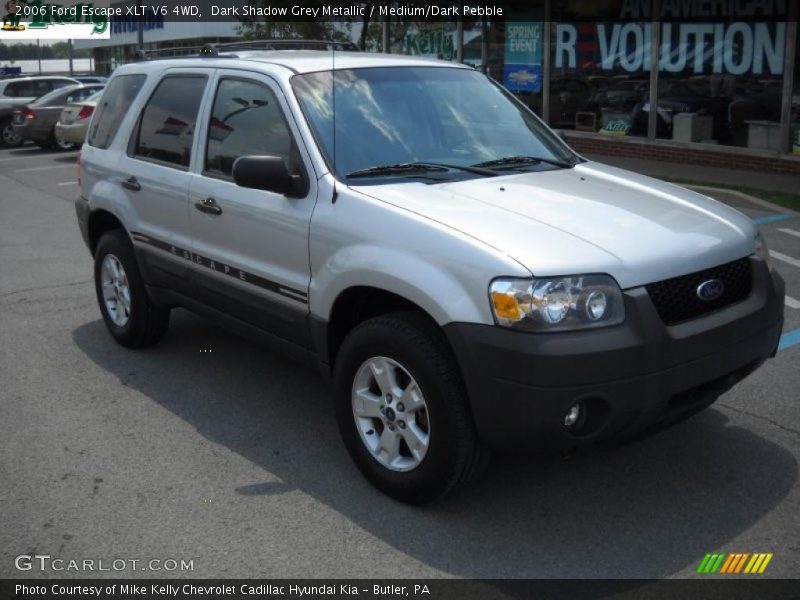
(366, 280)
(101, 221)
(353, 306)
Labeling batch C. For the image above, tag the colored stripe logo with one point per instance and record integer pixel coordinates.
(735, 563)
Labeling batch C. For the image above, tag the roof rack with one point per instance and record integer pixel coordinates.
(213, 50)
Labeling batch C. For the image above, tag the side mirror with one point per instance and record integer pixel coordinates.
(268, 173)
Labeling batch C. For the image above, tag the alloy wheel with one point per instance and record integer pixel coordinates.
(63, 144)
(391, 414)
(10, 137)
(116, 290)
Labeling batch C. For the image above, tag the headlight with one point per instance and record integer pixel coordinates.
(557, 303)
(762, 251)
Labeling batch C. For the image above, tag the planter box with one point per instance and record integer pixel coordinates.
(763, 134)
(691, 127)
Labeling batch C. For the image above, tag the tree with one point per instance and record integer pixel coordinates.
(29, 51)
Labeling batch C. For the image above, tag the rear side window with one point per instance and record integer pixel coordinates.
(166, 128)
(60, 83)
(114, 105)
(79, 95)
(27, 89)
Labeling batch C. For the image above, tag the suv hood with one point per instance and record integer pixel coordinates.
(589, 219)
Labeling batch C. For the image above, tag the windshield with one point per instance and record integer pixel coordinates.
(433, 115)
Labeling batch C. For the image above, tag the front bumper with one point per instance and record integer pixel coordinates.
(631, 378)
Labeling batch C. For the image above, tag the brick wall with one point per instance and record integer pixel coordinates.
(669, 153)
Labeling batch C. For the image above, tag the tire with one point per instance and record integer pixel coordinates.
(57, 144)
(415, 351)
(135, 322)
(8, 138)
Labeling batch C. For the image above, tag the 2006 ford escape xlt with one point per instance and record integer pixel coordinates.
(406, 224)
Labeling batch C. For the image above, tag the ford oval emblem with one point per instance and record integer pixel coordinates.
(710, 290)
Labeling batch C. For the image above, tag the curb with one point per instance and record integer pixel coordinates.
(726, 193)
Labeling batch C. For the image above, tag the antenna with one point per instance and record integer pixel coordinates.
(333, 106)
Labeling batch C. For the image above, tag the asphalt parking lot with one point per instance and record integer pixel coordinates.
(211, 449)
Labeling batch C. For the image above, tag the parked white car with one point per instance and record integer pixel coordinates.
(73, 123)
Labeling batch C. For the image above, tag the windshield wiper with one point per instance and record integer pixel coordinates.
(514, 161)
(412, 167)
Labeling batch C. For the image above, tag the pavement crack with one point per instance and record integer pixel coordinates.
(760, 418)
(44, 287)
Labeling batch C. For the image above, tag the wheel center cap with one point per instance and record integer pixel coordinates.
(390, 416)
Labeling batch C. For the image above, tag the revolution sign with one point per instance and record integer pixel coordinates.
(702, 48)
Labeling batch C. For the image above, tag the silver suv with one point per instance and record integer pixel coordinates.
(467, 280)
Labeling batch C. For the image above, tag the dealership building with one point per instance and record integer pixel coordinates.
(723, 76)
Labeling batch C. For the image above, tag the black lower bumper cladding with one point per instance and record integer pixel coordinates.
(630, 378)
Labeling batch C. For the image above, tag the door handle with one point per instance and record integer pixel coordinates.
(131, 184)
(208, 206)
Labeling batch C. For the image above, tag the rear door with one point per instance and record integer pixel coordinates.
(154, 175)
(251, 250)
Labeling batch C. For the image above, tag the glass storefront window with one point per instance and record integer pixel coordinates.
(721, 83)
(720, 64)
(600, 68)
(516, 53)
(794, 145)
(431, 39)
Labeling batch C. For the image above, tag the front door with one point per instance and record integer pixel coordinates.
(250, 247)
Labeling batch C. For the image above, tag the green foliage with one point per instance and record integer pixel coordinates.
(29, 51)
(258, 30)
(367, 35)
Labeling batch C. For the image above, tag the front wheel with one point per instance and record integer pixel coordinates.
(402, 410)
(130, 316)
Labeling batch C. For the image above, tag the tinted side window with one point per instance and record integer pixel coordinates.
(167, 124)
(27, 89)
(113, 106)
(79, 95)
(59, 83)
(247, 120)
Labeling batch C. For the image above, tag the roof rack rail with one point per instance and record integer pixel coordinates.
(290, 44)
(214, 50)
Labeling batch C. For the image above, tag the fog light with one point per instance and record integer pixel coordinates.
(573, 415)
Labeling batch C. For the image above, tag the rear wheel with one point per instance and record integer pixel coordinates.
(402, 409)
(9, 137)
(61, 144)
(131, 318)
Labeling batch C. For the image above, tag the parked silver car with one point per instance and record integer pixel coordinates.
(468, 281)
(20, 90)
(73, 123)
(36, 121)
